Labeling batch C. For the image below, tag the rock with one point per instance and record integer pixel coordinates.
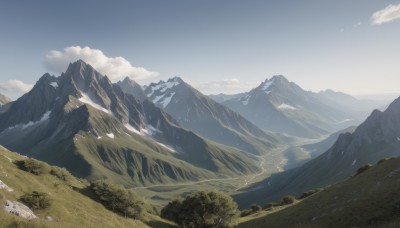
(4, 186)
(48, 218)
(19, 209)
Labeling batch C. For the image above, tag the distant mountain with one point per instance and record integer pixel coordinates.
(376, 138)
(85, 123)
(282, 106)
(130, 86)
(358, 108)
(5, 103)
(369, 199)
(224, 97)
(4, 100)
(206, 117)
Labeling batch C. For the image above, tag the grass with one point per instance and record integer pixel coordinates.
(370, 199)
(69, 208)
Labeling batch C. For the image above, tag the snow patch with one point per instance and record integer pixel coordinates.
(166, 147)
(131, 128)
(167, 100)
(149, 130)
(54, 84)
(245, 99)
(267, 84)
(87, 100)
(163, 86)
(354, 162)
(286, 106)
(110, 135)
(45, 117)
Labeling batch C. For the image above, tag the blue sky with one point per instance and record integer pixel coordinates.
(218, 46)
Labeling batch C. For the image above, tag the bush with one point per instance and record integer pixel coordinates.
(363, 169)
(269, 206)
(288, 200)
(246, 212)
(202, 209)
(255, 208)
(61, 173)
(118, 199)
(309, 193)
(36, 200)
(33, 166)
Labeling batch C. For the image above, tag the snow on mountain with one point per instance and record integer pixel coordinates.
(87, 100)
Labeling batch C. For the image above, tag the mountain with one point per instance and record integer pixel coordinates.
(83, 122)
(224, 97)
(369, 199)
(130, 86)
(4, 100)
(376, 138)
(282, 106)
(358, 108)
(209, 119)
(71, 206)
(5, 103)
(298, 155)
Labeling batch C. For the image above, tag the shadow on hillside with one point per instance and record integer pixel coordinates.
(159, 224)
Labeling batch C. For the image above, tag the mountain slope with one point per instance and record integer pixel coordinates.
(370, 199)
(282, 106)
(85, 123)
(4, 100)
(69, 207)
(204, 116)
(132, 87)
(378, 137)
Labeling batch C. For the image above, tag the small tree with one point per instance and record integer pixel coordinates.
(288, 200)
(118, 199)
(33, 166)
(255, 208)
(203, 209)
(363, 169)
(36, 200)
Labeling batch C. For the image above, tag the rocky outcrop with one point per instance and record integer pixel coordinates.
(5, 187)
(19, 209)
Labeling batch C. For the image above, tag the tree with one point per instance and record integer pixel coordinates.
(36, 200)
(118, 199)
(203, 209)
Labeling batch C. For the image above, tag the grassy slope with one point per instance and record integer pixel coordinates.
(69, 208)
(370, 199)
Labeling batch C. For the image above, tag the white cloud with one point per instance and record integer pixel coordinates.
(388, 14)
(15, 86)
(228, 85)
(116, 68)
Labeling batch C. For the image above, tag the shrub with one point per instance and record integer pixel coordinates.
(33, 166)
(36, 200)
(288, 200)
(363, 169)
(255, 208)
(202, 209)
(246, 212)
(61, 173)
(118, 199)
(309, 193)
(269, 206)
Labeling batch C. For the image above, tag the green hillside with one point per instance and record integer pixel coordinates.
(69, 207)
(369, 199)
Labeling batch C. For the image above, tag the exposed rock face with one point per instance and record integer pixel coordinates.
(4, 186)
(19, 209)
(204, 116)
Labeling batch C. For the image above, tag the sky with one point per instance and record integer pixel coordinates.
(226, 46)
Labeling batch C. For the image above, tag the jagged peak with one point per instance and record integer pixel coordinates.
(175, 79)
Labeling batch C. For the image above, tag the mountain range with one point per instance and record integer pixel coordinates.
(376, 138)
(82, 121)
(196, 112)
(281, 106)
